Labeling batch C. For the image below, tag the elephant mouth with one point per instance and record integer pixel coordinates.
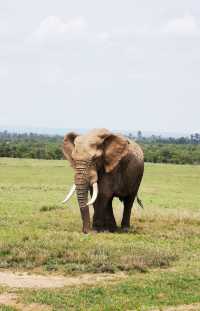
(82, 181)
(82, 184)
(80, 189)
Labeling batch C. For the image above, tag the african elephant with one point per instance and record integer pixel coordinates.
(108, 165)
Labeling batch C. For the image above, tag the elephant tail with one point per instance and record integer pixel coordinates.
(139, 202)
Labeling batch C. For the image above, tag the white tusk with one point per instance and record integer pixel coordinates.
(94, 194)
(73, 188)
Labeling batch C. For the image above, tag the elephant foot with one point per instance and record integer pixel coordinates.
(107, 225)
(98, 227)
(125, 228)
(105, 228)
(111, 227)
(85, 230)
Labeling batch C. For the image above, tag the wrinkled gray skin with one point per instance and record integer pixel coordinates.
(117, 166)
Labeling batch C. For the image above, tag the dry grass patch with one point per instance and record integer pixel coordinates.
(142, 260)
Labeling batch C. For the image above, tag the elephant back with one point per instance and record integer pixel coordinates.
(136, 150)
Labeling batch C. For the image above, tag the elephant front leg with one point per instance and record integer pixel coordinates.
(100, 214)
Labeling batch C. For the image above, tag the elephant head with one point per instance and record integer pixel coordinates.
(99, 149)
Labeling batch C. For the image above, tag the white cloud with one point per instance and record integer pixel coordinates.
(54, 26)
(55, 31)
(185, 25)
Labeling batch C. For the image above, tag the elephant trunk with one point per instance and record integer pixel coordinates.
(82, 187)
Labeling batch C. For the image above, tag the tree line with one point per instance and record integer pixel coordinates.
(30, 145)
(183, 150)
(192, 139)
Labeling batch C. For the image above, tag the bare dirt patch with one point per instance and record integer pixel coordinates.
(191, 307)
(8, 298)
(24, 280)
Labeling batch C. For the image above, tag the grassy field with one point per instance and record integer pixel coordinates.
(160, 254)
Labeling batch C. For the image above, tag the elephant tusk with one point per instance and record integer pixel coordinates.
(73, 188)
(94, 194)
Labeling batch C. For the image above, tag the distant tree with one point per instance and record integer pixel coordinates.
(139, 135)
(197, 138)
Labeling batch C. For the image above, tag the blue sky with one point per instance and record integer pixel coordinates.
(116, 64)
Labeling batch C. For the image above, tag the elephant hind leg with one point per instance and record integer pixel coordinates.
(110, 222)
(128, 203)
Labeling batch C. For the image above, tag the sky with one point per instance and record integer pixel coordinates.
(131, 65)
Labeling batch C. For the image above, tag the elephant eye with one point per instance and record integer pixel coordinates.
(97, 154)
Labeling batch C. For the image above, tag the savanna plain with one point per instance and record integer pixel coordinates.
(155, 266)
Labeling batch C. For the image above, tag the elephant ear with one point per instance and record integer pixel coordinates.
(115, 148)
(68, 146)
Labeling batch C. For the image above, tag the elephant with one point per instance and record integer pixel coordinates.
(107, 165)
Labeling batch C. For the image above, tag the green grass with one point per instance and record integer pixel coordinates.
(137, 293)
(38, 233)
